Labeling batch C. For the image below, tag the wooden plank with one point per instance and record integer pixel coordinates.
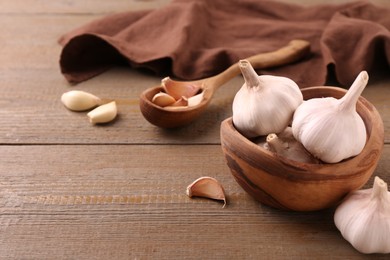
(32, 85)
(77, 7)
(104, 7)
(31, 105)
(104, 202)
(36, 43)
(79, 195)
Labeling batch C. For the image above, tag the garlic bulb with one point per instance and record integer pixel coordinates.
(103, 114)
(264, 104)
(363, 218)
(78, 100)
(330, 128)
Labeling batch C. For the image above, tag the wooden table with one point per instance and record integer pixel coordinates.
(76, 191)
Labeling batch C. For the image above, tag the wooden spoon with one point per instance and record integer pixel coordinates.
(170, 118)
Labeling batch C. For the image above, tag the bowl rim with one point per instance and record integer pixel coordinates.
(320, 170)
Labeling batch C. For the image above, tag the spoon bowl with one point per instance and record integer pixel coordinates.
(168, 117)
(171, 117)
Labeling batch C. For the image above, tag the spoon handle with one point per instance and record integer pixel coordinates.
(292, 52)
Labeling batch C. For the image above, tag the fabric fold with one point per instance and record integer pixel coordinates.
(191, 39)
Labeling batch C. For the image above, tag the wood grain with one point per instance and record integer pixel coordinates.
(77, 7)
(100, 201)
(74, 191)
(104, 7)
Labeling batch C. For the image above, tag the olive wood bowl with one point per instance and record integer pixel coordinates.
(290, 185)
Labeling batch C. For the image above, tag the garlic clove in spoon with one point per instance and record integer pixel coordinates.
(264, 104)
(182, 102)
(363, 218)
(330, 128)
(178, 90)
(195, 100)
(207, 187)
(103, 114)
(163, 99)
(78, 100)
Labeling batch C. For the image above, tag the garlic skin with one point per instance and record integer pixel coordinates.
(207, 187)
(78, 100)
(178, 95)
(264, 104)
(103, 114)
(195, 100)
(163, 99)
(363, 219)
(178, 90)
(330, 128)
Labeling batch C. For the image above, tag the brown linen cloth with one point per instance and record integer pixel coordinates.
(191, 39)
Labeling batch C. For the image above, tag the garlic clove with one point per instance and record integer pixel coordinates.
(163, 99)
(183, 101)
(329, 128)
(363, 218)
(195, 100)
(103, 114)
(264, 104)
(178, 90)
(287, 146)
(207, 187)
(78, 100)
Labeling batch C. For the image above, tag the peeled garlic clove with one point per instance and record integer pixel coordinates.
(286, 146)
(78, 100)
(207, 187)
(163, 99)
(103, 114)
(264, 104)
(329, 128)
(363, 219)
(178, 90)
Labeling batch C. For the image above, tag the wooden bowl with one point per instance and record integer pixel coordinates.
(285, 184)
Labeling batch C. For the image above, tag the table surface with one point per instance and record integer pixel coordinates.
(72, 190)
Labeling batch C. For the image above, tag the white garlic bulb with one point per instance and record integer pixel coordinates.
(264, 104)
(330, 128)
(363, 218)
